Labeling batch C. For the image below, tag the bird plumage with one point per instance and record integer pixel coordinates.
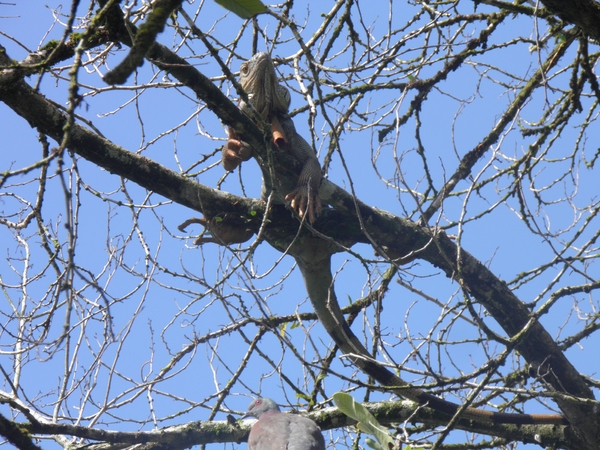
(277, 431)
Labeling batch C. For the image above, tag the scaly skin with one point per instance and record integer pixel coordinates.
(271, 101)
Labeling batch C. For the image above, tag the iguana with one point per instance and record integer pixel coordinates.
(271, 101)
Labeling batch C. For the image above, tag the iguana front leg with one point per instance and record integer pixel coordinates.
(305, 198)
(236, 150)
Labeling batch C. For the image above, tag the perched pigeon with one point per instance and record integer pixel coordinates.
(277, 431)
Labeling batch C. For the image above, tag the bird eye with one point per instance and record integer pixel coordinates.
(244, 68)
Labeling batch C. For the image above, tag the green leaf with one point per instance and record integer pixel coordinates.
(373, 444)
(303, 396)
(367, 423)
(282, 328)
(321, 376)
(246, 9)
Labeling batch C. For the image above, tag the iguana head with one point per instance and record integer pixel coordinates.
(259, 80)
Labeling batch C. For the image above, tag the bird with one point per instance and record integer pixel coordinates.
(277, 431)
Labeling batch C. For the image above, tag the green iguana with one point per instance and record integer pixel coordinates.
(271, 101)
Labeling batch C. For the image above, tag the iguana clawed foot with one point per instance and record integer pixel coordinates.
(222, 232)
(237, 150)
(305, 201)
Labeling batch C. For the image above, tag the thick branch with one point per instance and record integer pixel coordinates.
(48, 119)
(15, 434)
(537, 346)
(387, 413)
(385, 229)
(313, 258)
(144, 39)
(583, 13)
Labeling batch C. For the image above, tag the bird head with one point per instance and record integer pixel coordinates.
(260, 406)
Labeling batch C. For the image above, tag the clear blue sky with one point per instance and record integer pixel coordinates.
(170, 310)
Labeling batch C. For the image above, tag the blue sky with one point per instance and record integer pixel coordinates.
(160, 306)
